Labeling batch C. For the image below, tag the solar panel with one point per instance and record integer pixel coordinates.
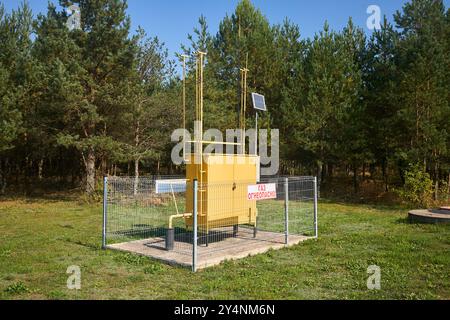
(259, 102)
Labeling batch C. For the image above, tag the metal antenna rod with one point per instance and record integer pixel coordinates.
(184, 105)
(243, 104)
(196, 89)
(200, 62)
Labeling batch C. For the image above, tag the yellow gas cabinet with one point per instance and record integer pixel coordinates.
(222, 190)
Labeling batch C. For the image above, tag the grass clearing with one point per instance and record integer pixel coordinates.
(41, 238)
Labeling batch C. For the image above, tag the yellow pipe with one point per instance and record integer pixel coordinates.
(184, 215)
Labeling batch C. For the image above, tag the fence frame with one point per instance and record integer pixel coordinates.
(286, 210)
(195, 227)
(194, 237)
(316, 227)
(105, 211)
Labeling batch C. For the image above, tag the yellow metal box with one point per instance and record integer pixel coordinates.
(222, 194)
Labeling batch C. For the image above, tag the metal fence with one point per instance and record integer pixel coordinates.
(136, 209)
(198, 221)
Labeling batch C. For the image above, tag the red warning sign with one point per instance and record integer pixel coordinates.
(262, 191)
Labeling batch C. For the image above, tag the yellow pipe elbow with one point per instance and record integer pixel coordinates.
(184, 215)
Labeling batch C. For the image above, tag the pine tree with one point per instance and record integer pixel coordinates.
(384, 131)
(92, 66)
(327, 96)
(153, 74)
(291, 54)
(423, 61)
(15, 60)
(245, 39)
(353, 146)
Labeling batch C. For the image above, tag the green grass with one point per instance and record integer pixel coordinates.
(40, 239)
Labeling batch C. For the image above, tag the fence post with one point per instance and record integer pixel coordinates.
(195, 228)
(286, 211)
(105, 210)
(316, 229)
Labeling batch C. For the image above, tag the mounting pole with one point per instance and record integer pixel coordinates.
(244, 72)
(256, 134)
(199, 90)
(184, 105)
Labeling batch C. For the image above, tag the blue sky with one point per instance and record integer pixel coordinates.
(172, 20)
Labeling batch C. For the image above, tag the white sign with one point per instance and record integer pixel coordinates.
(170, 186)
(262, 191)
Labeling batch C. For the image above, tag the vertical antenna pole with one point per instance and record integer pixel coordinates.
(200, 62)
(245, 96)
(201, 90)
(241, 102)
(243, 105)
(201, 129)
(256, 134)
(196, 90)
(184, 106)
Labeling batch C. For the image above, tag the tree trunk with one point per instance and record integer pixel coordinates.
(319, 172)
(330, 172)
(40, 169)
(26, 176)
(90, 172)
(136, 161)
(401, 174)
(104, 166)
(17, 173)
(448, 189)
(2, 177)
(136, 176)
(372, 171)
(385, 176)
(355, 178)
(324, 173)
(436, 190)
(436, 181)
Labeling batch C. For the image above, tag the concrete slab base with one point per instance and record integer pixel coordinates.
(230, 248)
